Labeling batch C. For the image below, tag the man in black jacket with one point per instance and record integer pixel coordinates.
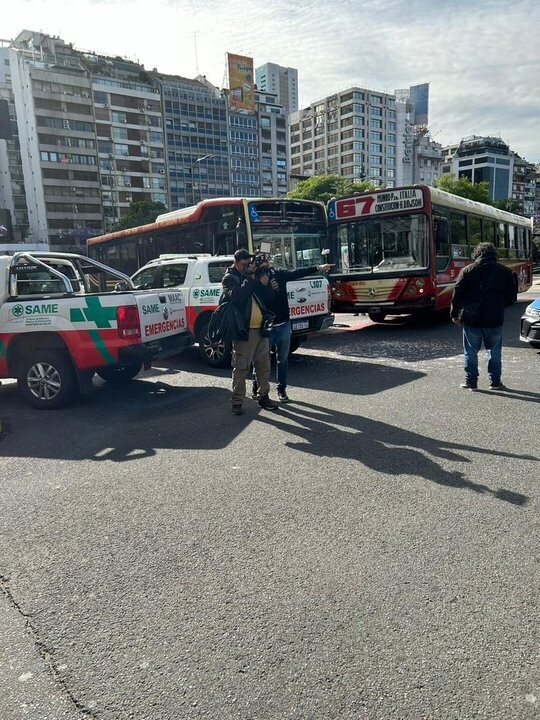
(250, 293)
(280, 334)
(483, 288)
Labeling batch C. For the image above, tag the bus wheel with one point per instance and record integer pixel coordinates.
(120, 374)
(217, 354)
(377, 316)
(46, 379)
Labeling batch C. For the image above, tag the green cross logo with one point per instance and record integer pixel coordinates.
(93, 312)
(17, 310)
(195, 294)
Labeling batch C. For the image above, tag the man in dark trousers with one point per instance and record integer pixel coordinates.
(250, 293)
(280, 334)
(482, 291)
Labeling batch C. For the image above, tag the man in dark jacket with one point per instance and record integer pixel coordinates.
(250, 293)
(484, 287)
(280, 335)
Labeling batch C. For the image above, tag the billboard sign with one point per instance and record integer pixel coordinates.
(241, 83)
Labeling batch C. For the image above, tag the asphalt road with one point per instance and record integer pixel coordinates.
(369, 551)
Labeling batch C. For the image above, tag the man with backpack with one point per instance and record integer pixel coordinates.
(249, 294)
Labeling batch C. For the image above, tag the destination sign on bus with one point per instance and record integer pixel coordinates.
(378, 203)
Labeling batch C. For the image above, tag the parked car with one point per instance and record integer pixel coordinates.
(530, 324)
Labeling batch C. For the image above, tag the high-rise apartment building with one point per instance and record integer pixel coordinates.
(524, 180)
(353, 133)
(282, 81)
(195, 115)
(52, 96)
(92, 132)
(365, 134)
(272, 144)
(13, 207)
(128, 115)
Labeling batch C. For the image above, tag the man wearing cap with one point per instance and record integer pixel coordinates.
(250, 294)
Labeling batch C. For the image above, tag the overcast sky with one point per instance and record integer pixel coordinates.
(481, 57)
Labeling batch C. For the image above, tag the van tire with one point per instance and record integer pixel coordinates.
(215, 354)
(119, 374)
(377, 317)
(46, 379)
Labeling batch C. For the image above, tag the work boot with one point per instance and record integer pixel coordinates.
(267, 404)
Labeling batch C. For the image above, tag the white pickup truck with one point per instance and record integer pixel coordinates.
(198, 278)
(55, 332)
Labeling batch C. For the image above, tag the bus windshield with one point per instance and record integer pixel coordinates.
(384, 244)
(290, 247)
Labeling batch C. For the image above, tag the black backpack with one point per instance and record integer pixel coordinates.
(227, 323)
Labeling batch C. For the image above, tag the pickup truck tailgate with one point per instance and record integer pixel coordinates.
(162, 314)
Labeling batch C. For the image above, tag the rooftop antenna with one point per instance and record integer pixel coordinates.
(196, 56)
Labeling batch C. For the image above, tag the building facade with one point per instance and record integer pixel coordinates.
(272, 119)
(353, 134)
(281, 81)
(52, 95)
(482, 159)
(197, 149)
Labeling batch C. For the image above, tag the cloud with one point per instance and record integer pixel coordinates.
(481, 57)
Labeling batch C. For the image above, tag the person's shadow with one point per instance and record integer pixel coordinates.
(385, 448)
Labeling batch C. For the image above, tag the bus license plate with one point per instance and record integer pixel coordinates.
(300, 325)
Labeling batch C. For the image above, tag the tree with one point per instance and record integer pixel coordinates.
(325, 187)
(510, 205)
(140, 213)
(463, 187)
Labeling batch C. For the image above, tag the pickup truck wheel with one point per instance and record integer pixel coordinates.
(216, 354)
(46, 379)
(120, 374)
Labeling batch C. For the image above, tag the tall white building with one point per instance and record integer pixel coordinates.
(363, 134)
(352, 133)
(282, 81)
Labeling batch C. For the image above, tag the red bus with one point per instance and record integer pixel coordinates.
(399, 251)
(292, 232)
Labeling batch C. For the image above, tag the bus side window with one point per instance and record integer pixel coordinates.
(458, 235)
(442, 248)
(511, 241)
(475, 233)
(499, 243)
(521, 243)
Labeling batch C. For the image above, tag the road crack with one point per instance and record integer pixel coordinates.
(44, 652)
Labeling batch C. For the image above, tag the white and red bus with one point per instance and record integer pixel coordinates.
(399, 251)
(292, 232)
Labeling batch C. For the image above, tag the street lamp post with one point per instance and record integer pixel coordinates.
(198, 160)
